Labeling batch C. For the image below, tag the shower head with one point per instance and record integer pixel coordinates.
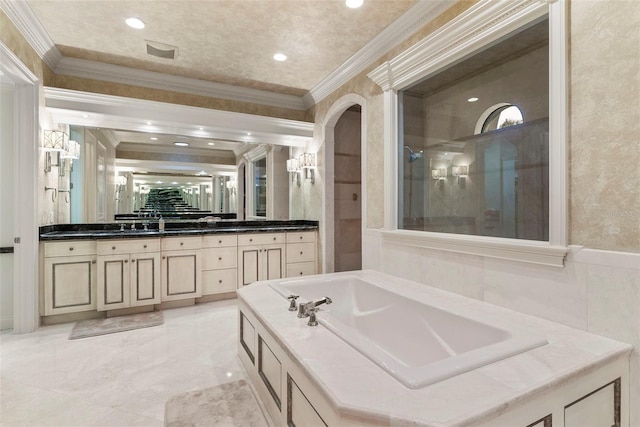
(413, 156)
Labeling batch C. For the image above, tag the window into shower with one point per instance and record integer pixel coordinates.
(474, 145)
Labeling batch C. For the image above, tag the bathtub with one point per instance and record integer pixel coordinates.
(416, 343)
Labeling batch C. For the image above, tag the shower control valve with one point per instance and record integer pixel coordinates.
(292, 304)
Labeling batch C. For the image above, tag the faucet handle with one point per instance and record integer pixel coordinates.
(292, 304)
(312, 316)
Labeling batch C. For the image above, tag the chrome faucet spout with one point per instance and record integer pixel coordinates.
(304, 309)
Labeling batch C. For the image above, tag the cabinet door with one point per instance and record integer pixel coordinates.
(145, 279)
(69, 284)
(180, 275)
(249, 264)
(273, 262)
(113, 282)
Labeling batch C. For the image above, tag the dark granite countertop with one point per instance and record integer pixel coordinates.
(183, 228)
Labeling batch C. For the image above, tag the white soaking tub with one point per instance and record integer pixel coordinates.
(417, 343)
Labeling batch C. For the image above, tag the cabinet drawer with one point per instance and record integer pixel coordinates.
(219, 258)
(301, 252)
(219, 241)
(128, 246)
(180, 243)
(301, 269)
(260, 239)
(301, 237)
(70, 248)
(219, 281)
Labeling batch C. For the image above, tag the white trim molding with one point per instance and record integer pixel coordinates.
(485, 22)
(108, 111)
(411, 21)
(26, 129)
(118, 74)
(29, 26)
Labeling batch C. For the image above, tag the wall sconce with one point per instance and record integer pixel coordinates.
(54, 141)
(72, 152)
(307, 162)
(460, 172)
(439, 173)
(232, 186)
(293, 166)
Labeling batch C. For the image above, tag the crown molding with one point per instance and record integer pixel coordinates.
(26, 22)
(108, 111)
(484, 22)
(410, 22)
(118, 74)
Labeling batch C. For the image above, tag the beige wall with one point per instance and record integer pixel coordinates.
(605, 124)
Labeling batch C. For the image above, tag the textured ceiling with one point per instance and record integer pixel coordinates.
(225, 41)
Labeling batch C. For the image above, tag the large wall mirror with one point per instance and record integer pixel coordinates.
(141, 157)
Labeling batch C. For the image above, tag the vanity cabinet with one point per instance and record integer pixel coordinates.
(128, 273)
(219, 264)
(181, 270)
(260, 257)
(69, 277)
(301, 253)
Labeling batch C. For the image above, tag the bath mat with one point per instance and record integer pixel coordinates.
(110, 325)
(227, 405)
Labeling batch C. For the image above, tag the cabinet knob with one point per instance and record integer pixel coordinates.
(71, 248)
(301, 273)
(164, 257)
(181, 243)
(219, 258)
(300, 237)
(126, 261)
(133, 260)
(145, 246)
(220, 281)
(251, 240)
(220, 241)
(274, 238)
(113, 247)
(300, 252)
(93, 261)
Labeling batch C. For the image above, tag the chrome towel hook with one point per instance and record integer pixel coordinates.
(54, 195)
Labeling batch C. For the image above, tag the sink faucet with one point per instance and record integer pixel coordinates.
(305, 309)
(121, 227)
(133, 225)
(146, 226)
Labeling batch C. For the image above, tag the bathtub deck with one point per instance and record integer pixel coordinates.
(356, 387)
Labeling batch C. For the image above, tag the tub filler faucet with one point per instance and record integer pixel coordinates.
(308, 308)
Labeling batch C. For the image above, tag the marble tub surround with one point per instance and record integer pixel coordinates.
(358, 389)
(172, 228)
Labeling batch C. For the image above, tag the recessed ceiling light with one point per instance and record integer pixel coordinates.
(86, 116)
(201, 128)
(136, 23)
(149, 123)
(280, 57)
(211, 143)
(158, 182)
(181, 144)
(174, 183)
(248, 133)
(153, 138)
(354, 4)
(472, 99)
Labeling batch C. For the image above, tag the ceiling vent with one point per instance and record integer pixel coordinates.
(161, 50)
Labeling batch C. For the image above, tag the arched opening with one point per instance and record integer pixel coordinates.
(345, 188)
(502, 117)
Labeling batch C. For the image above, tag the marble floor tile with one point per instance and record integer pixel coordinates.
(121, 379)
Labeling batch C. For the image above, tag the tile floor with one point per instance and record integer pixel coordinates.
(121, 379)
